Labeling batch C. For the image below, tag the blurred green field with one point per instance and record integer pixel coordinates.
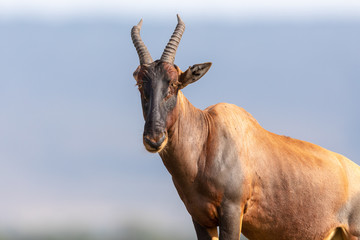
(130, 232)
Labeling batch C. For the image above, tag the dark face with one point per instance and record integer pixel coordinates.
(158, 86)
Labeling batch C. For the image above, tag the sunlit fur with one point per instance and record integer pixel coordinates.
(277, 187)
(227, 168)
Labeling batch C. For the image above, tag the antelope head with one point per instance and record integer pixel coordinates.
(159, 83)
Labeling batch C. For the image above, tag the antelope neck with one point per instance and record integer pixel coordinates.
(187, 139)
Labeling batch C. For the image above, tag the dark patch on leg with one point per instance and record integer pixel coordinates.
(354, 217)
(203, 233)
(339, 235)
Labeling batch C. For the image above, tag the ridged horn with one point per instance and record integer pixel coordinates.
(143, 52)
(170, 49)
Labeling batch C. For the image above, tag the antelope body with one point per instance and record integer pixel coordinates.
(233, 174)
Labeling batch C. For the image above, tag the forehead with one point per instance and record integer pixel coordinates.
(158, 70)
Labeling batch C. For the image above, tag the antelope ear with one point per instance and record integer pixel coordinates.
(193, 73)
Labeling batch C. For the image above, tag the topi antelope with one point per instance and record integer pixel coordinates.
(233, 174)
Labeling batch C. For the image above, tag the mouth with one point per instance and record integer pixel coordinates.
(155, 147)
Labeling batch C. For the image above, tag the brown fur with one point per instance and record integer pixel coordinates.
(291, 189)
(233, 174)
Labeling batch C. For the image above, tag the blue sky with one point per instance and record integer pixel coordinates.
(71, 124)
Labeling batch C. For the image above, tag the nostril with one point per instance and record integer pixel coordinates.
(148, 140)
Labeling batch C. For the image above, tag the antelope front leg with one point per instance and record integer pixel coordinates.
(203, 233)
(230, 221)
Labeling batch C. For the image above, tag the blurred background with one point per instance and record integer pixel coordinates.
(72, 163)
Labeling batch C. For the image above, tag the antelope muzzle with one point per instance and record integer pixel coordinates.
(155, 141)
(155, 135)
